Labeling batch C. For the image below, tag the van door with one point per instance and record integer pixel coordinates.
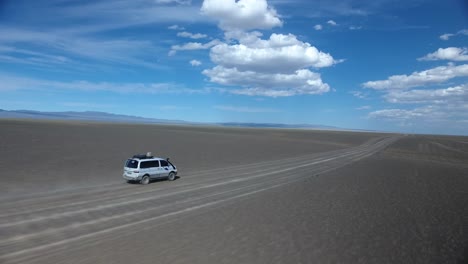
(165, 168)
(145, 168)
(154, 168)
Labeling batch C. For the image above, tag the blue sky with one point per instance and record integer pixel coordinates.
(380, 65)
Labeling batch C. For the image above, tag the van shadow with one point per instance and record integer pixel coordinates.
(152, 180)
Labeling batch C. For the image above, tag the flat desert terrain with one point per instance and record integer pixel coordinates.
(243, 196)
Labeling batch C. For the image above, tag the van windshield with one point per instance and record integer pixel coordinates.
(131, 164)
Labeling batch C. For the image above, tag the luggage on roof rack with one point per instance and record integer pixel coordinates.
(142, 156)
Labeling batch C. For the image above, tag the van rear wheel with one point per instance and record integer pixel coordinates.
(171, 176)
(145, 180)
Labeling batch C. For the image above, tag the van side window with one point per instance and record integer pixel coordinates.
(164, 163)
(154, 163)
(145, 164)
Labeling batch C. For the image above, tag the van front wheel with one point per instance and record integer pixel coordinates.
(145, 180)
(171, 176)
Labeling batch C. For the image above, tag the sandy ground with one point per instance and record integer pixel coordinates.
(295, 197)
(40, 156)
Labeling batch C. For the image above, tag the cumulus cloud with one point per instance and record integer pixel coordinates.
(447, 36)
(193, 46)
(420, 103)
(451, 53)
(451, 95)
(332, 23)
(318, 27)
(186, 34)
(268, 84)
(195, 63)
(275, 66)
(435, 75)
(427, 106)
(272, 67)
(242, 14)
(279, 53)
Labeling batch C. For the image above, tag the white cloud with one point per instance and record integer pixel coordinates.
(277, 66)
(451, 53)
(195, 63)
(435, 113)
(423, 108)
(355, 27)
(435, 75)
(186, 34)
(280, 53)
(268, 84)
(193, 46)
(22, 83)
(451, 95)
(33, 57)
(359, 94)
(245, 109)
(364, 107)
(176, 27)
(428, 108)
(72, 51)
(329, 22)
(243, 37)
(447, 36)
(241, 14)
(445, 119)
(47, 28)
(399, 114)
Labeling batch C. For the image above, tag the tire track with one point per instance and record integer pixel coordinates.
(109, 192)
(30, 235)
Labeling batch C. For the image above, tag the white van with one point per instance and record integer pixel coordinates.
(143, 168)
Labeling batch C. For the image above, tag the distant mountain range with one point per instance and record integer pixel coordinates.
(108, 117)
(271, 125)
(86, 115)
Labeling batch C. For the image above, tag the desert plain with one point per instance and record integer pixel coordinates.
(243, 195)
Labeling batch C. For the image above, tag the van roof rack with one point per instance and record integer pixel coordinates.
(142, 156)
